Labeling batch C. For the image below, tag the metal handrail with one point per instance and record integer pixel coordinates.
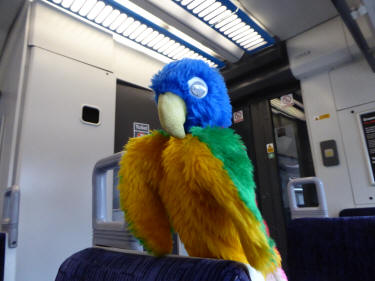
(320, 211)
(99, 193)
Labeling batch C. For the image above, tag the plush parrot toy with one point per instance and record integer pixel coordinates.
(194, 177)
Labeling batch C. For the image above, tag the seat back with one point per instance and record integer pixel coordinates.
(356, 212)
(330, 249)
(97, 264)
(2, 254)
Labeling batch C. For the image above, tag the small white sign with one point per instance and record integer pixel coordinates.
(238, 116)
(140, 129)
(287, 100)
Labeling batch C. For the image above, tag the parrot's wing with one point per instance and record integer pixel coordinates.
(140, 172)
(229, 177)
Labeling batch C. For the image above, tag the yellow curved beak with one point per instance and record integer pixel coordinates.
(172, 114)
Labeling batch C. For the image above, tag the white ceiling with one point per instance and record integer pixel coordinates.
(287, 18)
(283, 18)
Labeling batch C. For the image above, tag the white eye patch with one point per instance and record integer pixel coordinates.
(197, 87)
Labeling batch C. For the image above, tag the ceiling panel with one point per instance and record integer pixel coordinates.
(287, 18)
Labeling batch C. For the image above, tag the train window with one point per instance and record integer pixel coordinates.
(90, 115)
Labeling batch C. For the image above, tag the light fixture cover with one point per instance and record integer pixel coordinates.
(124, 22)
(230, 21)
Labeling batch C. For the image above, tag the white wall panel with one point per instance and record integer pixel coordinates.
(70, 64)
(318, 100)
(335, 79)
(133, 66)
(58, 155)
(63, 34)
(73, 38)
(12, 70)
(353, 84)
(318, 49)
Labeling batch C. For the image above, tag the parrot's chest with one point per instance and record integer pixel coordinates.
(184, 191)
(194, 212)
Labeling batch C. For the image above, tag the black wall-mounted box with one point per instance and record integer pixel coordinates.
(329, 153)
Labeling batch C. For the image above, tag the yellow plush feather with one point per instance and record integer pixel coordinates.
(140, 174)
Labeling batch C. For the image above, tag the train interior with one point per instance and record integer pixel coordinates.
(75, 81)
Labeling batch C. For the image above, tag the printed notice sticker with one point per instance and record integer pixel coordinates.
(140, 129)
(367, 120)
(321, 117)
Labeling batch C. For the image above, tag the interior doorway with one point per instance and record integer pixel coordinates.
(275, 133)
(293, 149)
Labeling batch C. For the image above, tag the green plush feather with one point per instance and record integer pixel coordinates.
(227, 146)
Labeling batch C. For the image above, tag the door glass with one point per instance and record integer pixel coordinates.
(293, 148)
(133, 122)
(129, 122)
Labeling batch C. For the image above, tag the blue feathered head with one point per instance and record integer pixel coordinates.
(202, 89)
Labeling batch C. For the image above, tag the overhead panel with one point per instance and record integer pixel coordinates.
(230, 21)
(120, 20)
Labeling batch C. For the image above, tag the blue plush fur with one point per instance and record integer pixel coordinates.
(212, 110)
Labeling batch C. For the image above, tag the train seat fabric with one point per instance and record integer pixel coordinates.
(96, 264)
(2, 254)
(355, 212)
(331, 249)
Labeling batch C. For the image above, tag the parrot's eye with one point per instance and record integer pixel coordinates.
(197, 87)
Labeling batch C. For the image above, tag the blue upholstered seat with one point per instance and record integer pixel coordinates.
(2, 254)
(332, 249)
(96, 264)
(357, 212)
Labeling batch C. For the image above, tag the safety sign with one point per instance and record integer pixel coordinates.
(238, 116)
(287, 100)
(270, 150)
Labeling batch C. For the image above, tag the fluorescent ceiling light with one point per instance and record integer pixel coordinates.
(67, 3)
(145, 14)
(191, 25)
(229, 21)
(77, 5)
(124, 19)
